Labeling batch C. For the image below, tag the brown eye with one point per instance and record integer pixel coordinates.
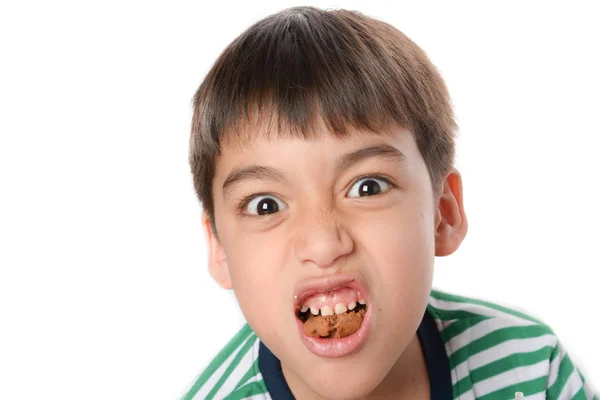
(264, 205)
(368, 187)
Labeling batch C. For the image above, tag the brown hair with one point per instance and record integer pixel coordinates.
(304, 63)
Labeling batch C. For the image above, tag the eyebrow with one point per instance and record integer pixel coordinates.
(261, 172)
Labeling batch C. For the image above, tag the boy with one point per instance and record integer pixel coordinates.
(322, 150)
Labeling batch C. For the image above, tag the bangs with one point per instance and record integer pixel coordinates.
(286, 73)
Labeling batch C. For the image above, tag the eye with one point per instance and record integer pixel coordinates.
(368, 186)
(264, 205)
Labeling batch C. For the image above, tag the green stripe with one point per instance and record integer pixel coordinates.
(580, 395)
(461, 387)
(502, 365)
(461, 299)
(583, 383)
(459, 327)
(233, 365)
(448, 315)
(253, 370)
(555, 353)
(528, 388)
(495, 338)
(251, 389)
(223, 355)
(564, 371)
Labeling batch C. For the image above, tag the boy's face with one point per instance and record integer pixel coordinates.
(316, 218)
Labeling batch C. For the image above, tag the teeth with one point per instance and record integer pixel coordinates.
(340, 308)
(326, 311)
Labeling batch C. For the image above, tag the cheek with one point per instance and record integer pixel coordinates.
(400, 239)
(402, 251)
(256, 272)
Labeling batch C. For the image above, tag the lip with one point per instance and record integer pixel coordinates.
(313, 286)
(333, 347)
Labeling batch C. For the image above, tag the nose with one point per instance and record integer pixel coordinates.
(321, 240)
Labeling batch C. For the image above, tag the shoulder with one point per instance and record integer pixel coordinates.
(498, 350)
(233, 373)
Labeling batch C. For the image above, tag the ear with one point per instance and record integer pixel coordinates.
(217, 262)
(451, 221)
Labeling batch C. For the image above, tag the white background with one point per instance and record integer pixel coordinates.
(104, 292)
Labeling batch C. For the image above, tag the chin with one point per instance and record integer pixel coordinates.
(346, 389)
(344, 382)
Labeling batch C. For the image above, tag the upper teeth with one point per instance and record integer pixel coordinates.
(339, 308)
(326, 311)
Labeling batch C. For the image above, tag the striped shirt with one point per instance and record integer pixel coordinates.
(491, 352)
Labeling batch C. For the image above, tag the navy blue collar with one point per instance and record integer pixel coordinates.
(438, 366)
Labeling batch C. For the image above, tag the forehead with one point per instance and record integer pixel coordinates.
(250, 134)
(321, 152)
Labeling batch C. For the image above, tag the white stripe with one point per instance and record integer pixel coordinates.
(511, 377)
(555, 366)
(508, 306)
(444, 324)
(440, 324)
(258, 377)
(500, 351)
(467, 396)
(483, 328)
(537, 396)
(474, 308)
(255, 378)
(210, 383)
(238, 372)
(588, 391)
(460, 372)
(572, 386)
(264, 396)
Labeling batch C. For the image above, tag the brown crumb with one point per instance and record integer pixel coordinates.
(334, 326)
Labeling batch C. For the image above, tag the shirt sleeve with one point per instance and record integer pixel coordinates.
(565, 382)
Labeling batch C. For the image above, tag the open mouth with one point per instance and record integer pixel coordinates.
(333, 314)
